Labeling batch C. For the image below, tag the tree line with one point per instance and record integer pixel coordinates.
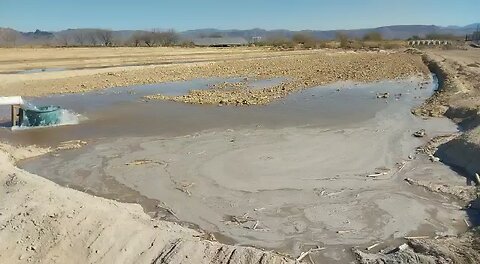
(156, 37)
(107, 38)
(92, 38)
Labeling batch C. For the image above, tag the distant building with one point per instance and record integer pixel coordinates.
(256, 39)
(220, 42)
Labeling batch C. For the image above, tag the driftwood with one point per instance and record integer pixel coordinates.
(184, 187)
(255, 225)
(373, 175)
(403, 247)
(307, 253)
(372, 246)
(239, 219)
(165, 207)
(416, 237)
(143, 162)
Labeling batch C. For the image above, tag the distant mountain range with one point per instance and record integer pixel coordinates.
(73, 36)
(388, 32)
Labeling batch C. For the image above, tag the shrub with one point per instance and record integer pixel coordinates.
(373, 36)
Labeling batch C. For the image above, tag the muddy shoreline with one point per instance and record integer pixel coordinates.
(458, 99)
(330, 189)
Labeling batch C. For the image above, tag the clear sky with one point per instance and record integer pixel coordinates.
(28, 15)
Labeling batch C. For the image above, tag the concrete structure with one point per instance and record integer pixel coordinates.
(428, 42)
(15, 102)
(220, 42)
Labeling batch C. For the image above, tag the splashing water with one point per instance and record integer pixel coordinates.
(27, 105)
(65, 117)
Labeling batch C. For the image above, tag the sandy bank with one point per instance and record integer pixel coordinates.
(463, 152)
(41, 222)
(459, 100)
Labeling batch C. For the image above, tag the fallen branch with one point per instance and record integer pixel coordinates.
(377, 174)
(404, 163)
(143, 162)
(372, 246)
(307, 253)
(183, 187)
(168, 209)
(416, 237)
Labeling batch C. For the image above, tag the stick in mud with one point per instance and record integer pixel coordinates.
(372, 246)
(307, 253)
(416, 237)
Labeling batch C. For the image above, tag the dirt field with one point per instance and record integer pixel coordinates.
(78, 58)
(305, 68)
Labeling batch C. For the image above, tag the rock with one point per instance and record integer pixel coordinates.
(433, 158)
(383, 95)
(419, 133)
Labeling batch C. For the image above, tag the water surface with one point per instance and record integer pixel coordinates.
(121, 111)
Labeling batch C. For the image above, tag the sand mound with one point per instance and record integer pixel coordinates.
(463, 152)
(41, 222)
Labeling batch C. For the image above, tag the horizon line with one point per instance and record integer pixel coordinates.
(237, 29)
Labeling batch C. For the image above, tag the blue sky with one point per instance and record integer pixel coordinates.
(27, 15)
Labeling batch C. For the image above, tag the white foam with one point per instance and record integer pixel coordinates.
(67, 118)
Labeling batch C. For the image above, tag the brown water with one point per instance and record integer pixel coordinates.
(122, 112)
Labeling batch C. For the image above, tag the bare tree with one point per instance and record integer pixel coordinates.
(157, 37)
(167, 38)
(91, 37)
(9, 37)
(136, 39)
(80, 37)
(105, 36)
(63, 39)
(148, 39)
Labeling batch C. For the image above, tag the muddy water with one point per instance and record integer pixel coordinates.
(121, 112)
(284, 176)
